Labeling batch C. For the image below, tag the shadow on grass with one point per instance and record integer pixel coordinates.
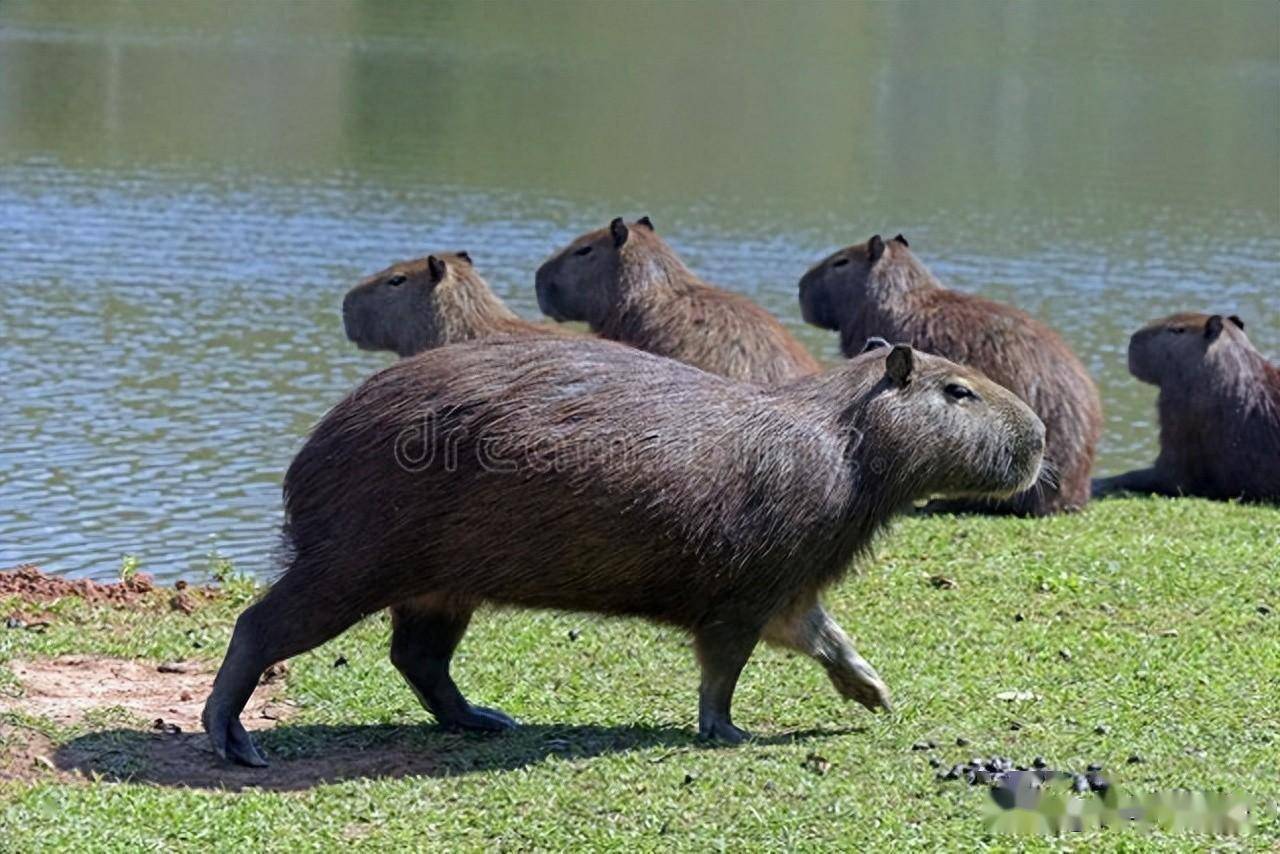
(305, 756)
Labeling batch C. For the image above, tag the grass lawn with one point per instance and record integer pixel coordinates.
(1138, 627)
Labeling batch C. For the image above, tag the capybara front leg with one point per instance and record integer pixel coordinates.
(287, 621)
(424, 633)
(813, 632)
(723, 649)
(1147, 481)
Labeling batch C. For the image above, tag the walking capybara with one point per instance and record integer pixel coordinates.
(585, 475)
(881, 288)
(630, 286)
(426, 303)
(1219, 411)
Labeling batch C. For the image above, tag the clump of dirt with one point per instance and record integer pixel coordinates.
(33, 586)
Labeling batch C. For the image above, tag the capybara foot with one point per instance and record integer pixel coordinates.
(231, 741)
(480, 719)
(722, 730)
(860, 682)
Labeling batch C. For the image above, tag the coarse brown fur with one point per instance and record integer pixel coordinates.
(585, 475)
(881, 288)
(429, 302)
(1219, 409)
(630, 286)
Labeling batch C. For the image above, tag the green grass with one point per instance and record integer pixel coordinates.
(1156, 602)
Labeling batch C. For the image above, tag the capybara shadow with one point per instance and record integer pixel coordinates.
(880, 288)
(584, 475)
(309, 755)
(1219, 409)
(429, 302)
(629, 285)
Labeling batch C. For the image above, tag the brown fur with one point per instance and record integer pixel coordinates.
(1219, 411)
(429, 302)
(630, 286)
(617, 482)
(881, 288)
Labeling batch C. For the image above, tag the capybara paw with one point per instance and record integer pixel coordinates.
(864, 688)
(232, 743)
(723, 731)
(480, 719)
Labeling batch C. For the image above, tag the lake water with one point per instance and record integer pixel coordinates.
(186, 191)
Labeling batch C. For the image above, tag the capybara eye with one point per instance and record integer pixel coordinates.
(397, 280)
(839, 262)
(586, 250)
(960, 392)
(1177, 330)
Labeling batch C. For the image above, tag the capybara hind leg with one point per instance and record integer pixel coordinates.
(284, 623)
(813, 632)
(424, 633)
(723, 649)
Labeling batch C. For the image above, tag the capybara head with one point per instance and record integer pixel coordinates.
(955, 432)
(416, 305)
(582, 281)
(1174, 348)
(834, 286)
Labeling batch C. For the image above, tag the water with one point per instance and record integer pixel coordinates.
(186, 190)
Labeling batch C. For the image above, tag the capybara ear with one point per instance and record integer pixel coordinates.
(875, 342)
(900, 363)
(436, 267)
(900, 239)
(1213, 327)
(618, 229)
(465, 256)
(1235, 318)
(875, 248)
(646, 222)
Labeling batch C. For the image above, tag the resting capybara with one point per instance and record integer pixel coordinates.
(881, 288)
(585, 475)
(426, 303)
(1219, 411)
(630, 286)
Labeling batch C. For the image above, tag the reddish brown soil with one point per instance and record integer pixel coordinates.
(33, 588)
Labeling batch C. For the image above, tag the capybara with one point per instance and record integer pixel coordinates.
(628, 285)
(426, 303)
(590, 476)
(880, 288)
(1219, 411)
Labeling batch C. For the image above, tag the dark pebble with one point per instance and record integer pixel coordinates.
(935, 762)
(1039, 762)
(954, 772)
(688, 778)
(1064, 654)
(1018, 618)
(1135, 759)
(922, 745)
(1015, 726)
(961, 741)
(1101, 729)
(13, 623)
(340, 661)
(1020, 768)
(1094, 767)
(1264, 610)
(574, 634)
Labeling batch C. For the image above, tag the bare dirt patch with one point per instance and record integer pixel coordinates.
(33, 587)
(151, 705)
